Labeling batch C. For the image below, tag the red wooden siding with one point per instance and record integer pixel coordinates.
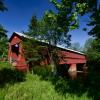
(19, 60)
(71, 57)
(67, 56)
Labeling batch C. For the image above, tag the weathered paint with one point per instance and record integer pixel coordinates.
(67, 56)
(19, 60)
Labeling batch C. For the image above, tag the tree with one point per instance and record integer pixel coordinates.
(2, 6)
(3, 42)
(53, 28)
(76, 46)
(93, 52)
(33, 27)
(87, 44)
(63, 21)
(3, 36)
(93, 55)
(33, 52)
(2, 32)
(95, 17)
(56, 25)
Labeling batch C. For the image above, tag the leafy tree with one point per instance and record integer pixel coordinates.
(64, 20)
(93, 52)
(3, 36)
(54, 27)
(93, 55)
(34, 56)
(34, 51)
(95, 22)
(76, 46)
(87, 44)
(3, 42)
(33, 27)
(2, 6)
(2, 32)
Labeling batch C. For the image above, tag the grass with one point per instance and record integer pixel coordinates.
(4, 65)
(17, 86)
(36, 89)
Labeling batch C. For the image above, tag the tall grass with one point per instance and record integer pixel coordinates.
(37, 87)
(4, 65)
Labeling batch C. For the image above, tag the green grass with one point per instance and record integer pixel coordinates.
(36, 87)
(4, 65)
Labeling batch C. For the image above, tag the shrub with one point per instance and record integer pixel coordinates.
(9, 75)
(4, 65)
(42, 71)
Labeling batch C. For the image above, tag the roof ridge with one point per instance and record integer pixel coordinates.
(26, 36)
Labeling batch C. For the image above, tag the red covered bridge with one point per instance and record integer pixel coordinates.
(75, 60)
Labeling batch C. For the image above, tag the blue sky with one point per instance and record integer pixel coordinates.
(19, 13)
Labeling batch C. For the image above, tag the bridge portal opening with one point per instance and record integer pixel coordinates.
(62, 70)
(15, 49)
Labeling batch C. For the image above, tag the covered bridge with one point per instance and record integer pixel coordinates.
(74, 60)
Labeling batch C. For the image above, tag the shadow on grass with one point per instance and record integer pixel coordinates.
(90, 85)
(94, 86)
(10, 76)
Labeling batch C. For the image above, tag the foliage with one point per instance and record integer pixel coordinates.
(2, 6)
(87, 44)
(93, 54)
(53, 28)
(50, 28)
(35, 88)
(18, 86)
(2, 32)
(68, 11)
(3, 36)
(8, 76)
(76, 46)
(3, 42)
(45, 72)
(4, 65)
(33, 27)
(34, 51)
(93, 51)
(95, 22)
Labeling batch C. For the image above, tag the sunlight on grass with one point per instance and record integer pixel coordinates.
(4, 65)
(34, 87)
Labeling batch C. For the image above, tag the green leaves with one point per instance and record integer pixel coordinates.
(54, 26)
(57, 5)
(2, 32)
(33, 51)
(95, 21)
(81, 7)
(93, 53)
(2, 6)
(3, 36)
(3, 42)
(93, 50)
(68, 13)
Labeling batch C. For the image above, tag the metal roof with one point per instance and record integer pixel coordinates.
(26, 36)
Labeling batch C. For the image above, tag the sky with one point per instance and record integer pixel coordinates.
(19, 14)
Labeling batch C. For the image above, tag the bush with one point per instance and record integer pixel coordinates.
(42, 71)
(4, 65)
(9, 75)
